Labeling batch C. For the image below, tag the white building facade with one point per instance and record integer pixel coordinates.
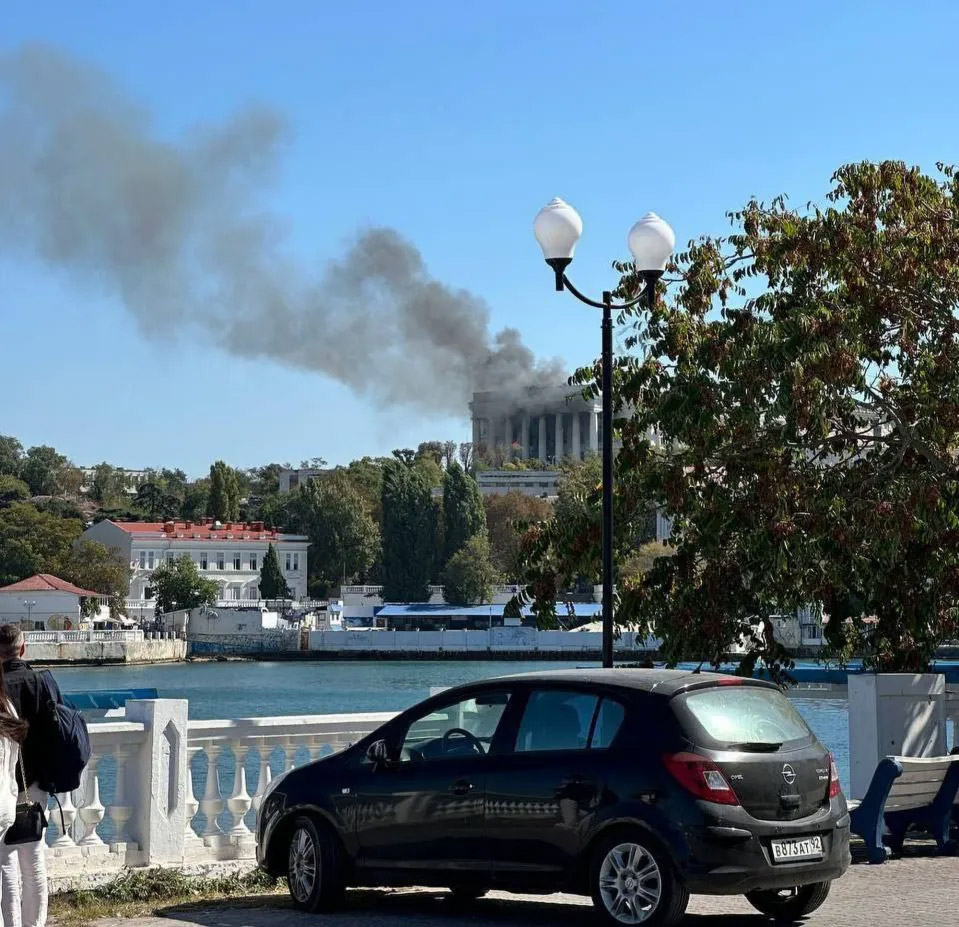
(231, 553)
(45, 602)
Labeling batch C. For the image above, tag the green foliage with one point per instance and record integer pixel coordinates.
(409, 533)
(32, 541)
(178, 584)
(272, 582)
(41, 470)
(463, 512)
(344, 538)
(11, 456)
(196, 499)
(224, 501)
(470, 574)
(12, 490)
(108, 484)
(804, 381)
(90, 565)
(506, 516)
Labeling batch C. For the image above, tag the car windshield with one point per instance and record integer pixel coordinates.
(747, 716)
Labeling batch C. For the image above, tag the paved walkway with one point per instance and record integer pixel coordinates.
(919, 891)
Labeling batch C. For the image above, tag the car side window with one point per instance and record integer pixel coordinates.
(462, 728)
(609, 719)
(555, 719)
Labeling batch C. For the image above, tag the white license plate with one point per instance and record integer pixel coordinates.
(788, 851)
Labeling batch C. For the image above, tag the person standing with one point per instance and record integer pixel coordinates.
(23, 868)
(12, 733)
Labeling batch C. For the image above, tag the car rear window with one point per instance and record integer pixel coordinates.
(745, 715)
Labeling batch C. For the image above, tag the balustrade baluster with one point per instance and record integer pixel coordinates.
(290, 750)
(69, 814)
(212, 804)
(120, 811)
(92, 812)
(266, 775)
(191, 803)
(239, 802)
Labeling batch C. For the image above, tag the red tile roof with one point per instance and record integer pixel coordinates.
(201, 531)
(45, 582)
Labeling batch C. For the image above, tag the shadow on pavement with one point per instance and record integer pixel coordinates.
(424, 908)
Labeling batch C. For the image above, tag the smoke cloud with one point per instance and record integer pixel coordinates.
(177, 230)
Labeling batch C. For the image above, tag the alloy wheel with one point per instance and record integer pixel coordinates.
(630, 883)
(302, 865)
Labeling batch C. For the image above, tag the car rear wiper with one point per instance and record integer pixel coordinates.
(756, 746)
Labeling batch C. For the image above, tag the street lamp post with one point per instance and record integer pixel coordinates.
(557, 229)
(29, 606)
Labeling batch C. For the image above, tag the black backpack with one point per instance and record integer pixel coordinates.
(66, 742)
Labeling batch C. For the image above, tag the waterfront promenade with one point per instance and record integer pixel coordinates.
(918, 889)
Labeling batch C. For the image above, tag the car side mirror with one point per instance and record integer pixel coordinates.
(378, 753)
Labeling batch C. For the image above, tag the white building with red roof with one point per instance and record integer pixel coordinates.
(36, 602)
(230, 553)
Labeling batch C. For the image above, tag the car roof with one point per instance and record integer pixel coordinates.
(663, 681)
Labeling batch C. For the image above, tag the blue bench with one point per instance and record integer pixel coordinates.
(906, 792)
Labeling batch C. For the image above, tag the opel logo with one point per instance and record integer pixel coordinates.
(789, 774)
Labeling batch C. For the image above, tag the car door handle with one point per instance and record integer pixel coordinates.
(462, 787)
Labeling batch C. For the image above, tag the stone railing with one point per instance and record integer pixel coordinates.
(82, 637)
(148, 796)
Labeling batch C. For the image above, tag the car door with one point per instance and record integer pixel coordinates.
(542, 790)
(423, 811)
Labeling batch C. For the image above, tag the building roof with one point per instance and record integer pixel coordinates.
(46, 582)
(416, 610)
(204, 530)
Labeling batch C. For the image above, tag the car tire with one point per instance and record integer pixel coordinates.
(314, 870)
(633, 881)
(790, 904)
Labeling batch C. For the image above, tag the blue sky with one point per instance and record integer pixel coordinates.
(454, 124)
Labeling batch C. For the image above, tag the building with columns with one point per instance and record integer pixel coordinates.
(544, 423)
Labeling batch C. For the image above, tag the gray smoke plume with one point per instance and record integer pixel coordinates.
(177, 230)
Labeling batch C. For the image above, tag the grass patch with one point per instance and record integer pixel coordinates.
(139, 893)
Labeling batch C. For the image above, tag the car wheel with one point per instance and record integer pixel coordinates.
(314, 872)
(633, 881)
(790, 904)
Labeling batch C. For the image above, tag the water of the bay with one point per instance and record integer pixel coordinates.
(245, 690)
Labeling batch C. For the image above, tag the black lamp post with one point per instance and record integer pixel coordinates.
(557, 228)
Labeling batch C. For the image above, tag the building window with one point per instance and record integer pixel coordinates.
(253, 565)
(148, 593)
(235, 593)
(143, 559)
(296, 562)
(204, 561)
(220, 561)
(170, 556)
(237, 562)
(289, 562)
(150, 561)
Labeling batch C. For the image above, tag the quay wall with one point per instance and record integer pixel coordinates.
(54, 653)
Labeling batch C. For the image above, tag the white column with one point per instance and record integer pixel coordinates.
(524, 437)
(558, 442)
(594, 431)
(239, 802)
(542, 437)
(577, 450)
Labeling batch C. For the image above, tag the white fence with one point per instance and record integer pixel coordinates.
(492, 639)
(82, 637)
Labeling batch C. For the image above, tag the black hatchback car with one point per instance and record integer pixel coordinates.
(637, 787)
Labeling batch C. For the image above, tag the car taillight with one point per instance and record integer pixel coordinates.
(834, 787)
(702, 777)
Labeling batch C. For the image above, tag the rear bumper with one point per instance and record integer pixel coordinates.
(735, 857)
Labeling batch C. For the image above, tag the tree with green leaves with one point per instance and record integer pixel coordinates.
(41, 470)
(177, 584)
(344, 538)
(158, 499)
(463, 512)
(108, 484)
(224, 501)
(802, 380)
(12, 490)
(11, 456)
(32, 541)
(92, 566)
(196, 499)
(272, 582)
(470, 574)
(409, 533)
